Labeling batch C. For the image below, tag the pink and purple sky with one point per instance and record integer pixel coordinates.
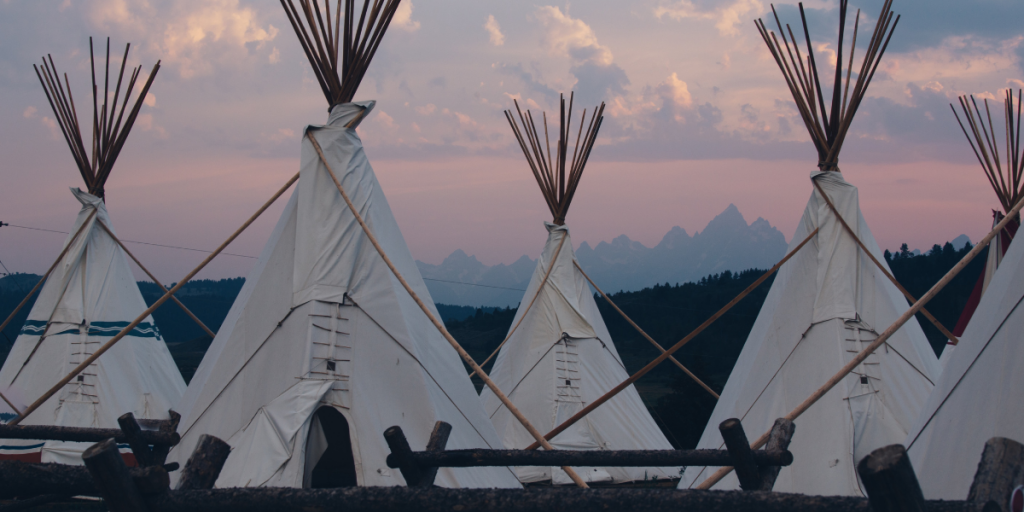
(698, 117)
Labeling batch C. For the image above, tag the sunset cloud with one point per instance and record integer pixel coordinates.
(571, 37)
(403, 18)
(727, 18)
(494, 31)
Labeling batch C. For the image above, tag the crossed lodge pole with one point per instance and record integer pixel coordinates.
(882, 338)
(167, 295)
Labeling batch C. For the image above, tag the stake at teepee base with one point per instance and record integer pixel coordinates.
(863, 355)
(157, 282)
(650, 366)
(938, 325)
(644, 334)
(106, 346)
(48, 272)
(440, 327)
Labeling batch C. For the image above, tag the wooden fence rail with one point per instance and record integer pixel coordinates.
(418, 468)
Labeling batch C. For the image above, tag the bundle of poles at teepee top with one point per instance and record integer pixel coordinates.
(325, 41)
(828, 128)
(1005, 180)
(110, 127)
(550, 170)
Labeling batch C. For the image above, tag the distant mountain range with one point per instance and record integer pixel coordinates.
(727, 243)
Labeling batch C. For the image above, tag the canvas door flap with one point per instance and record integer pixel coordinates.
(268, 442)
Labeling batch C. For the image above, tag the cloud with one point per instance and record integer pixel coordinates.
(596, 73)
(146, 123)
(282, 135)
(385, 121)
(150, 99)
(565, 36)
(51, 125)
(403, 18)
(532, 84)
(192, 35)
(29, 112)
(426, 110)
(494, 30)
(676, 90)
(275, 56)
(727, 18)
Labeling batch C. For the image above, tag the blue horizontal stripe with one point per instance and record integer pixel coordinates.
(98, 328)
(22, 448)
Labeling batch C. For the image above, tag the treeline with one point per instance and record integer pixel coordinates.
(667, 312)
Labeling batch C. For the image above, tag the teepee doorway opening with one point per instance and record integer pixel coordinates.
(336, 465)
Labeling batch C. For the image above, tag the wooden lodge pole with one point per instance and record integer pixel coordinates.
(106, 346)
(644, 334)
(650, 366)
(882, 338)
(528, 306)
(157, 281)
(938, 325)
(440, 326)
(47, 274)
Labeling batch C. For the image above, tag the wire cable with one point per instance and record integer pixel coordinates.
(138, 242)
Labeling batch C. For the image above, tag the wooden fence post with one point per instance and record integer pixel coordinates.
(742, 456)
(171, 425)
(778, 440)
(1001, 470)
(133, 432)
(112, 478)
(204, 465)
(401, 456)
(438, 441)
(890, 481)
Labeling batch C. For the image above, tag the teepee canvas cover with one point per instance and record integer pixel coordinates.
(560, 359)
(324, 349)
(827, 304)
(321, 322)
(977, 396)
(559, 356)
(1005, 179)
(88, 298)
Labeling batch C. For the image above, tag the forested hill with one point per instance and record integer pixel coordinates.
(667, 312)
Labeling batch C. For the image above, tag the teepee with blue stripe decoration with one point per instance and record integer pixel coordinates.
(87, 298)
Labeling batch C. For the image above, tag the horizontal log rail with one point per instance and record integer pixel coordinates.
(587, 458)
(22, 480)
(760, 466)
(84, 435)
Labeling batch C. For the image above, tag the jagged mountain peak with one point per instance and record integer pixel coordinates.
(459, 256)
(726, 243)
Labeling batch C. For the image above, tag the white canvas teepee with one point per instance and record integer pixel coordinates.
(322, 324)
(90, 296)
(561, 358)
(558, 356)
(976, 397)
(826, 304)
(1005, 179)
